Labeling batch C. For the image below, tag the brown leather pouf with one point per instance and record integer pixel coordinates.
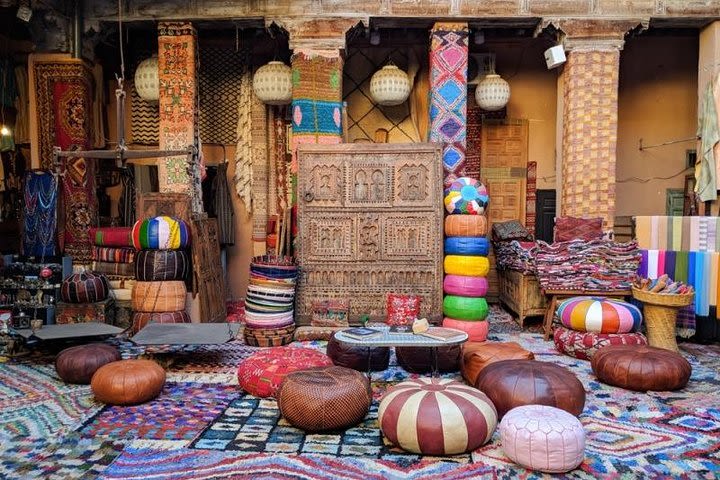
(512, 383)
(128, 382)
(78, 364)
(358, 358)
(641, 368)
(478, 355)
(324, 398)
(420, 359)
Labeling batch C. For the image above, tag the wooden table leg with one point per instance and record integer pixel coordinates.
(549, 314)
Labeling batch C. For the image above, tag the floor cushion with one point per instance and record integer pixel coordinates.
(511, 383)
(641, 368)
(467, 246)
(325, 398)
(141, 319)
(159, 265)
(477, 356)
(421, 359)
(538, 437)
(465, 225)
(358, 357)
(434, 416)
(78, 364)
(128, 382)
(84, 287)
(262, 373)
(466, 196)
(477, 330)
(465, 308)
(466, 265)
(465, 286)
(584, 345)
(163, 232)
(599, 315)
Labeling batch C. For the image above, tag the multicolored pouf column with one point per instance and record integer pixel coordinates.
(466, 263)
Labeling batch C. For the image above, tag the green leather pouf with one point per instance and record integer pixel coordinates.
(465, 308)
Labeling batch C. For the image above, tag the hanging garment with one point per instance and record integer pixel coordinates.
(126, 205)
(705, 166)
(223, 206)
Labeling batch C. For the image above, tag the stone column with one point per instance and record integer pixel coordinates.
(448, 95)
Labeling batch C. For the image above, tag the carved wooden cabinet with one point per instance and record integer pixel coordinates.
(370, 221)
(522, 294)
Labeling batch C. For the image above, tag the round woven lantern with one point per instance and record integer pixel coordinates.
(492, 93)
(389, 86)
(272, 83)
(147, 82)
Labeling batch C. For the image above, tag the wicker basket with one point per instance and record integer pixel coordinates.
(269, 337)
(661, 316)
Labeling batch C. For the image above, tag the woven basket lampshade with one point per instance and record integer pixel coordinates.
(147, 82)
(389, 86)
(492, 93)
(272, 83)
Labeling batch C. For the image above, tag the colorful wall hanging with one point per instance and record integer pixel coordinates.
(260, 175)
(530, 196)
(243, 136)
(41, 194)
(448, 94)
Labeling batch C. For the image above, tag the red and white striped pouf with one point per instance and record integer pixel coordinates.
(436, 416)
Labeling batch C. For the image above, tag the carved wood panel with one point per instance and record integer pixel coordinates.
(207, 271)
(370, 219)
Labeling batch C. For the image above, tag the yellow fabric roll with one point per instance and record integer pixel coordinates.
(467, 265)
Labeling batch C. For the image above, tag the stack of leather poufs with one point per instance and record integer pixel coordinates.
(269, 312)
(591, 323)
(161, 267)
(466, 262)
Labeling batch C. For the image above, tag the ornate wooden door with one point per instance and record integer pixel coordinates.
(370, 220)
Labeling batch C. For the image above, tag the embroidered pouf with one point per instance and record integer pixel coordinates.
(465, 308)
(141, 319)
(466, 196)
(465, 286)
(325, 398)
(477, 356)
(424, 360)
(538, 437)
(467, 246)
(600, 315)
(128, 382)
(78, 364)
(477, 330)
(584, 345)
(167, 233)
(84, 287)
(357, 357)
(262, 373)
(512, 383)
(157, 265)
(465, 226)
(641, 368)
(436, 417)
(270, 336)
(466, 265)
(159, 296)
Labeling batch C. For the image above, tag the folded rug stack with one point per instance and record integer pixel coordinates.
(113, 255)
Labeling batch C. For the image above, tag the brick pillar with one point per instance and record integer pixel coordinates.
(448, 95)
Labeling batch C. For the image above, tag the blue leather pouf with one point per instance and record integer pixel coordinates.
(467, 246)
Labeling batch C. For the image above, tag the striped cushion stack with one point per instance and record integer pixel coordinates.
(113, 255)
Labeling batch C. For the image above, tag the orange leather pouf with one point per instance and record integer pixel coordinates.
(128, 382)
(476, 356)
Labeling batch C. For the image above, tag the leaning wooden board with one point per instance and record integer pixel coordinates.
(371, 223)
(209, 278)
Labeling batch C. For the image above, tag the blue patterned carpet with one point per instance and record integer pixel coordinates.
(203, 426)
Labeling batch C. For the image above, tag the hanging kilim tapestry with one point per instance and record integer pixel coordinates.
(260, 174)
(282, 166)
(448, 94)
(243, 137)
(220, 74)
(41, 195)
(178, 109)
(530, 196)
(474, 135)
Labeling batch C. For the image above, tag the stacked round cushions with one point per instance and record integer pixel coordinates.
(434, 416)
(78, 364)
(262, 373)
(161, 267)
(466, 263)
(591, 323)
(84, 287)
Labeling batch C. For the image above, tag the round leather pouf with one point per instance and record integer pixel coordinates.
(465, 308)
(538, 437)
(512, 383)
(326, 398)
(466, 196)
(358, 358)
(78, 364)
(84, 287)
(157, 265)
(477, 356)
(467, 246)
(140, 319)
(128, 382)
(420, 359)
(584, 345)
(434, 416)
(466, 265)
(599, 315)
(466, 225)
(159, 296)
(163, 232)
(477, 330)
(262, 373)
(465, 286)
(641, 368)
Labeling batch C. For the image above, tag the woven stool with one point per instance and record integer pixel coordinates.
(661, 315)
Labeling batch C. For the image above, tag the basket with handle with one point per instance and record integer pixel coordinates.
(661, 315)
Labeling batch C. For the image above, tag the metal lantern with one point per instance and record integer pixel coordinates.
(389, 86)
(147, 82)
(492, 93)
(272, 83)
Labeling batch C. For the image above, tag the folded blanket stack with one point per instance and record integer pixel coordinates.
(515, 255)
(113, 255)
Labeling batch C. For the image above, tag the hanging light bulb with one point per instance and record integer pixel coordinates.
(492, 93)
(389, 86)
(272, 83)
(4, 131)
(147, 82)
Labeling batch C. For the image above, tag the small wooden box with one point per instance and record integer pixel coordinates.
(522, 294)
(103, 312)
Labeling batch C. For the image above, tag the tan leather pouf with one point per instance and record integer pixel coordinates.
(641, 368)
(128, 382)
(478, 355)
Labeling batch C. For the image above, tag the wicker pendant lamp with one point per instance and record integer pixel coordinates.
(389, 86)
(492, 93)
(147, 82)
(272, 83)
